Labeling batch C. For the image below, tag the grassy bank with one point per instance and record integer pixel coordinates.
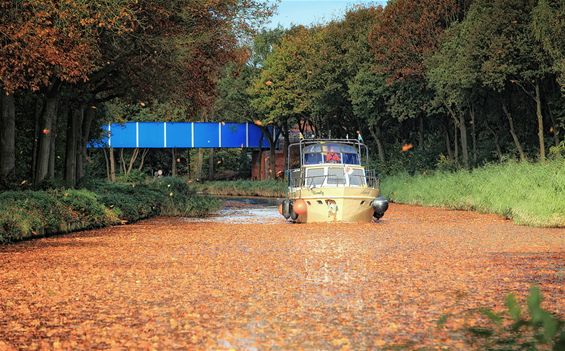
(24, 214)
(267, 188)
(530, 194)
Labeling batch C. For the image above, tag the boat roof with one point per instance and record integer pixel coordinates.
(329, 147)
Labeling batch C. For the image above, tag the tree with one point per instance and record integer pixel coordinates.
(509, 56)
(408, 32)
(369, 93)
(77, 55)
(453, 75)
(548, 24)
(405, 35)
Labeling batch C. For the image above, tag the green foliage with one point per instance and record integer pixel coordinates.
(180, 199)
(131, 202)
(24, 214)
(536, 196)
(28, 213)
(557, 152)
(265, 188)
(135, 176)
(510, 330)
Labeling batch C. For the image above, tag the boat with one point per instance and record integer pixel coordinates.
(328, 182)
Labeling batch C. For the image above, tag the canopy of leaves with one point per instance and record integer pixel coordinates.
(45, 40)
(408, 32)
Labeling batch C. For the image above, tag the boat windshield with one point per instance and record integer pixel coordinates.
(330, 153)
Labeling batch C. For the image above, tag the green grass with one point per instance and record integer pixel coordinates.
(529, 193)
(265, 188)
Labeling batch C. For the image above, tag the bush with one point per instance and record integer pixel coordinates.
(265, 188)
(24, 214)
(28, 213)
(181, 200)
(130, 202)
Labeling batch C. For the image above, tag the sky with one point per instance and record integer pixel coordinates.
(307, 12)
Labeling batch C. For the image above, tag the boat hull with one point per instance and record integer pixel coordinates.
(336, 204)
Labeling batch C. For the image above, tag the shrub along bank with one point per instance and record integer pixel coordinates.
(530, 194)
(265, 188)
(24, 214)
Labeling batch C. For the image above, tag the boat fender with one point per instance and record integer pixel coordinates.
(285, 210)
(380, 205)
(293, 215)
(299, 206)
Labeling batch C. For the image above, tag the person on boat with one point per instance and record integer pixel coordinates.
(359, 137)
(332, 156)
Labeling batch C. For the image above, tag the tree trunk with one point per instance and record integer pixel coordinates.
(132, 160)
(174, 162)
(7, 136)
(540, 123)
(261, 157)
(142, 161)
(198, 166)
(73, 128)
(123, 167)
(421, 132)
(464, 143)
(513, 132)
(188, 167)
(39, 105)
(455, 143)
(107, 163)
(496, 142)
(554, 126)
(53, 149)
(211, 165)
(448, 141)
(45, 127)
(286, 136)
(89, 115)
(473, 135)
(376, 134)
(112, 162)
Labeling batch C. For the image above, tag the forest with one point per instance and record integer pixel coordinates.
(448, 84)
(429, 84)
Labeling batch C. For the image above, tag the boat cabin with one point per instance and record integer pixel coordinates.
(330, 153)
(335, 163)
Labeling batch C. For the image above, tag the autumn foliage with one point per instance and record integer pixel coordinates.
(409, 31)
(46, 40)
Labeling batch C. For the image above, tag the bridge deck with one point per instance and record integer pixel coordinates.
(182, 135)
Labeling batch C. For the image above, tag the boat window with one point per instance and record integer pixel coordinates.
(313, 159)
(351, 159)
(314, 177)
(316, 148)
(356, 177)
(336, 176)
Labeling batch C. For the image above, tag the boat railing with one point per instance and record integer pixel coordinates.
(361, 148)
(298, 180)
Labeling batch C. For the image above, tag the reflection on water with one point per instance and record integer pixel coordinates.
(245, 211)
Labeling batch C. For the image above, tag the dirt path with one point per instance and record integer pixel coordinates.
(176, 284)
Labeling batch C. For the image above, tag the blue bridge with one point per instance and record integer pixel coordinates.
(183, 135)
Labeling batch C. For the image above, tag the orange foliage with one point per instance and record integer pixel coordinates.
(407, 147)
